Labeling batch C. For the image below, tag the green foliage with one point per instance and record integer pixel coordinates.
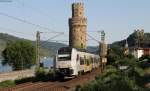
(19, 55)
(115, 79)
(114, 53)
(45, 75)
(78, 88)
(10, 83)
(111, 82)
(40, 74)
(145, 61)
(7, 83)
(132, 62)
(24, 80)
(145, 57)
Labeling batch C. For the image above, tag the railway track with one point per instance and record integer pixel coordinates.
(64, 85)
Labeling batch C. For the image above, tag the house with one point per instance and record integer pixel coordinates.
(139, 52)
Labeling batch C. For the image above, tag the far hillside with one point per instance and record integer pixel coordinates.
(50, 48)
(47, 49)
(133, 41)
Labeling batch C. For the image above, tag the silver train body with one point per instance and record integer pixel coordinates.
(72, 62)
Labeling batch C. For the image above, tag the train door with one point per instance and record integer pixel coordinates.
(78, 64)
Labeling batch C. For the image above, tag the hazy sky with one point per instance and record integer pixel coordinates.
(118, 18)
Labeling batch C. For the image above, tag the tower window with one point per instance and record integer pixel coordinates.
(81, 45)
(80, 13)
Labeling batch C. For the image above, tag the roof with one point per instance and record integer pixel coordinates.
(139, 48)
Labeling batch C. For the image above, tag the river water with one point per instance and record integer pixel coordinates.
(48, 63)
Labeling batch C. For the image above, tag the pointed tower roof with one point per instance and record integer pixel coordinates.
(126, 45)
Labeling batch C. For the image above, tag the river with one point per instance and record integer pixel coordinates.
(48, 63)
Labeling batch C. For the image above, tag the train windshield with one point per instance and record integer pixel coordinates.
(64, 54)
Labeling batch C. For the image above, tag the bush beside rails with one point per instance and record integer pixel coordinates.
(24, 80)
(10, 83)
(7, 83)
(45, 75)
(132, 78)
(112, 80)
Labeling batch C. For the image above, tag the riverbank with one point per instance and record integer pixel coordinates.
(48, 63)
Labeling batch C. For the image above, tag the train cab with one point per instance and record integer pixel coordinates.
(65, 62)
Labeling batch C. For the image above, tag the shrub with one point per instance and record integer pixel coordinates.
(24, 80)
(116, 80)
(7, 83)
(44, 75)
(78, 88)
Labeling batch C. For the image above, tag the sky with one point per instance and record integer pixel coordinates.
(118, 18)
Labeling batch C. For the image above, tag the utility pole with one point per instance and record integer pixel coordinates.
(37, 49)
(103, 51)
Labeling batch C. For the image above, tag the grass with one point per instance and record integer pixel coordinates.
(7, 83)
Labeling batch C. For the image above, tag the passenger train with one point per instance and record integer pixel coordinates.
(73, 62)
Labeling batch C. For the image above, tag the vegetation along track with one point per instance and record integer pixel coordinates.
(63, 85)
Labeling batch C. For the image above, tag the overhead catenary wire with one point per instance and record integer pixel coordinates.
(93, 38)
(52, 38)
(11, 30)
(27, 22)
(14, 31)
(36, 25)
(41, 12)
(95, 31)
(37, 10)
(58, 41)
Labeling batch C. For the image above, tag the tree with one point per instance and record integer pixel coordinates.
(145, 61)
(114, 53)
(19, 55)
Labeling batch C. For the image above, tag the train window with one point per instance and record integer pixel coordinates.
(87, 61)
(91, 59)
(95, 61)
(65, 50)
(64, 57)
(78, 57)
(84, 56)
(81, 61)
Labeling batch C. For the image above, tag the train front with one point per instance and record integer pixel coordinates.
(63, 62)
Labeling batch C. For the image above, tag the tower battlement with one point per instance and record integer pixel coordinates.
(75, 5)
(77, 10)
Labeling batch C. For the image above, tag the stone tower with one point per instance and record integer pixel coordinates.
(78, 27)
